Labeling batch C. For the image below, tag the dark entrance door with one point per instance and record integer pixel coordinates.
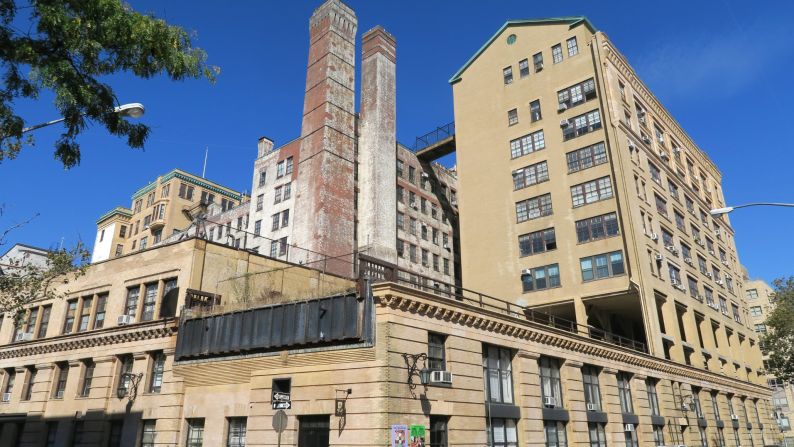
(313, 430)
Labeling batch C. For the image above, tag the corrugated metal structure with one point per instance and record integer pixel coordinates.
(335, 320)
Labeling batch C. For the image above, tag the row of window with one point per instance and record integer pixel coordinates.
(590, 229)
(411, 252)
(581, 194)
(426, 183)
(427, 232)
(537, 60)
(595, 267)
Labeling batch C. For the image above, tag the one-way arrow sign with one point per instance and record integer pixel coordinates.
(282, 405)
(277, 395)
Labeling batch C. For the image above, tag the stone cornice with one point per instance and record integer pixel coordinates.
(111, 336)
(401, 298)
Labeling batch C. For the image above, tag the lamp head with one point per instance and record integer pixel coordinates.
(720, 211)
(132, 110)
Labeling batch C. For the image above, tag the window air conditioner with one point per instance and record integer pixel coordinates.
(562, 107)
(549, 402)
(125, 319)
(632, 146)
(591, 407)
(24, 336)
(711, 252)
(734, 417)
(413, 205)
(646, 140)
(688, 260)
(564, 123)
(670, 247)
(719, 281)
(425, 175)
(717, 232)
(676, 150)
(641, 113)
(674, 283)
(526, 272)
(440, 377)
(685, 407)
(6, 397)
(659, 257)
(654, 237)
(446, 246)
(709, 275)
(725, 263)
(663, 154)
(628, 427)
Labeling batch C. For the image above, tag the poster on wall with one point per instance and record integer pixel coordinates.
(417, 436)
(399, 436)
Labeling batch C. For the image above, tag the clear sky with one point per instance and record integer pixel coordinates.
(723, 68)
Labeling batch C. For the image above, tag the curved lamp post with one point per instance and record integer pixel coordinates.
(132, 110)
(720, 211)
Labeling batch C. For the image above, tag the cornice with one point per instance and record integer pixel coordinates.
(400, 298)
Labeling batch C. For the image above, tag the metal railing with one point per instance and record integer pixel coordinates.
(433, 137)
(379, 271)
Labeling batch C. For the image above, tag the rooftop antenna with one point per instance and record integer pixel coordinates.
(60, 247)
(204, 170)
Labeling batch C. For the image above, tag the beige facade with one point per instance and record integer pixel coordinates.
(157, 212)
(582, 196)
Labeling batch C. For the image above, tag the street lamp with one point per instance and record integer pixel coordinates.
(132, 110)
(720, 211)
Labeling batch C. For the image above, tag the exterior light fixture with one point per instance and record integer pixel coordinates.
(132, 110)
(720, 211)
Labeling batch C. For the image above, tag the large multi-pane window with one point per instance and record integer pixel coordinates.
(653, 398)
(555, 435)
(99, 313)
(573, 47)
(60, 384)
(598, 227)
(533, 208)
(28, 391)
(436, 357)
(507, 74)
(131, 305)
(530, 175)
(502, 433)
(586, 157)
(537, 61)
(125, 371)
(576, 94)
(88, 377)
(438, 431)
(581, 125)
(602, 266)
(661, 205)
(158, 367)
(540, 278)
(598, 437)
(45, 321)
(537, 242)
(237, 430)
(527, 144)
(148, 432)
(550, 385)
(592, 191)
(149, 300)
(624, 392)
(523, 68)
(592, 393)
(498, 372)
(85, 313)
(556, 53)
(195, 432)
(71, 311)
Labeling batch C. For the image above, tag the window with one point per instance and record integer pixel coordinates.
(502, 433)
(756, 311)
(582, 124)
(30, 382)
(71, 310)
(60, 383)
(555, 435)
(598, 437)
(148, 432)
(540, 278)
(550, 385)
(537, 242)
(527, 144)
(119, 250)
(624, 392)
(237, 430)
(630, 437)
(498, 372)
(556, 53)
(530, 175)
(507, 74)
(257, 228)
(653, 398)
(715, 406)
(598, 227)
(573, 48)
(658, 435)
(276, 197)
(602, 266)
(534, 111)
(287, 191)
(260, 199)
(693, 288)
(592, 191)
(512, 117)
(262, 178)
(537, 62)
(533, 208)
(195, 432)
(284, 218)
(9, 386)
(273, 249)
(523, 68)
(156, 377)
(282, 246)
(145, 239)
(675, 274)
(592, 393)
(661, 205)
(149, 300)
(45, 321)
(280, 169)
(123, 231)
(436, 359)
(88, 377)
(586, 157)
(752, 294)
(576, 94)
(438, 431)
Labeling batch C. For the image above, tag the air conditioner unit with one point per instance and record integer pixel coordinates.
(24, 336)
(720, 282)
(440, 377)
(526, 272)
(685, 407)
(446, 246)
(684, 445)
(681, 287)
(692, 212)
(699, 297)
(424, 224)
(663, 154)
(59, 394)
(646, 140)
(454, 202)
(6, 397)
(549, 402)
(425, 175)
(413, 205)
(654, 237)
(632, 146)
(591, 407)
(659, 257)
(562, 108)
(125, 319)
(628, 427)
(709, 275)
(641, 113)
(564, 123)
(674, 282)
(725, 263)
(677, 150)
(711, 252)
(734, 417)
(700, 242)
(688, 261)
(671, 248)
(717, 232)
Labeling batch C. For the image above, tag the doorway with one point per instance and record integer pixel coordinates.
(313, 431)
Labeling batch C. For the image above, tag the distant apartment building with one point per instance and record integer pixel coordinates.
(761, 301)
(21, 255)
(158, 210)
(581, 195)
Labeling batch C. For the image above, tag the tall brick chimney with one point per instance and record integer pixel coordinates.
(377, 147)
(325, 221)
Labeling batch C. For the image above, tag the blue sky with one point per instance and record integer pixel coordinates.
(723, 68)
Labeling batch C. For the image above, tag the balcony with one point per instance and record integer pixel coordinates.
(156, 224)
(436, 143)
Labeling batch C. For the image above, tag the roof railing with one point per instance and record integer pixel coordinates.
(434, 136)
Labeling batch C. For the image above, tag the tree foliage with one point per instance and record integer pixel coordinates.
(67, 46)
(779, 340)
